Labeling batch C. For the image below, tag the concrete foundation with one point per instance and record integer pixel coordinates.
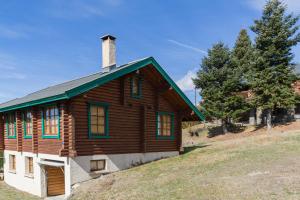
(76, 169)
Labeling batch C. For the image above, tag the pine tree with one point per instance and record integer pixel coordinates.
(219, 85)
(242, 57)
(273, 73)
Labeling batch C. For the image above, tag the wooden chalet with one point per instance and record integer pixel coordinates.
(75, 131)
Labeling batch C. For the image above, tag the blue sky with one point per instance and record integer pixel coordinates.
(43, 43)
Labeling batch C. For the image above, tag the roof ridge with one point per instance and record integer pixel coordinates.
(74, 79)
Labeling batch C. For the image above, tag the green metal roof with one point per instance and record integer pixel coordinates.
(73, 88)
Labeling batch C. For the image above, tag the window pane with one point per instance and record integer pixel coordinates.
(100, 111)
(93, 165)
(94, 129)
(97, 120)
(97, 165)
(29, 124)
(12, 162)
(93, 110)
(28, 165)
(101, 164)
(11, 124)
(94, 120)
(164, 125)
(101, 130)
(100, 121)
(51, 122)
(135, 85)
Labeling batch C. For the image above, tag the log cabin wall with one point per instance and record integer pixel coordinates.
(38, 144)
(132, 122)
(1, 132)
(9, 143)
(47, 145)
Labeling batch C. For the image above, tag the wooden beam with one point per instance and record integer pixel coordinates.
(179, 131)
(72, 133)
(35, 136)
(64, 129)
(19, 133)
(2, 132)
(143, 128)
(122, 91)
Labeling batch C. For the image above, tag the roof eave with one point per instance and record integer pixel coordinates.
(35, 102)
(100, 81)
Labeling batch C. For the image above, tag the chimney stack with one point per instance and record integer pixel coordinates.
(108, 53)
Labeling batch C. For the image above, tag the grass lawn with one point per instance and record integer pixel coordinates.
(255, 167)
(9, 193)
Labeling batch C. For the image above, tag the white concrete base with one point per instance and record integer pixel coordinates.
(35, 185)
(76, 169)
(80, 166)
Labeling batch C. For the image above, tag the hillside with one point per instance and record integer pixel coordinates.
(250, 166)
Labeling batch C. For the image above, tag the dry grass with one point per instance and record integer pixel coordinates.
(9, 193)
(263, 166)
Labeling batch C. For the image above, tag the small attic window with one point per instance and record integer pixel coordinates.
(136, 88)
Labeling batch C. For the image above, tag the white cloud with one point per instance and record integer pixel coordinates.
(293, 5)
(186, 83)
(187, 46)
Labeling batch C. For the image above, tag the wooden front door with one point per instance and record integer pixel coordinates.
(55, 181)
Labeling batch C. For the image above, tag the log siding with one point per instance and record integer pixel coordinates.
(132, 122)
(2, 133)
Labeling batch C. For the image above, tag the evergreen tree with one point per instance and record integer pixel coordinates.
(273, 73)
(242, 57)
(219, 85)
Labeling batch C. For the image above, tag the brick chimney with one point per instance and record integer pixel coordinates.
(108, 53)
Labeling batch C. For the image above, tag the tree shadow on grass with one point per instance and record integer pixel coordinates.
(192, 148)
(275, 124)
(232, 128)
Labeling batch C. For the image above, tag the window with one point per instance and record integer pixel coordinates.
(12, 163)
(136, 90)
(98, 120)
(28, 124)
(29, 166)
(165, 125)
(50, 122)
(98, 165)
(11, 125)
